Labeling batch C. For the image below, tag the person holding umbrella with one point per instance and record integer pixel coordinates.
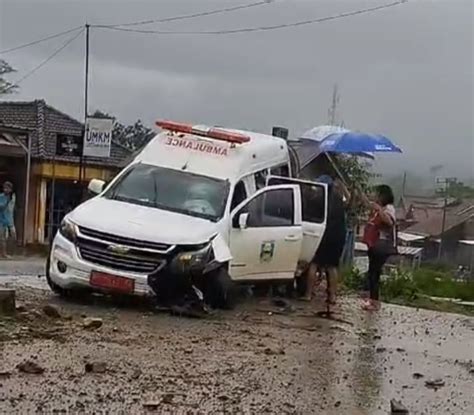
(334, 140)
(380, 236)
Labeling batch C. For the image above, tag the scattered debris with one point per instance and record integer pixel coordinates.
(95, 367)
(136, 374)
(271, 352)
(223, 398)
(435, 383)
(31, 367)
(152, 405)
(35, 314)
(167, 398)
(92, 323)
(20, 308)
(280, 302)
(188, 310)
(338, 328)
(51, 311)
(285, 306)
(4, 373)
(381, 349)
(397, 407)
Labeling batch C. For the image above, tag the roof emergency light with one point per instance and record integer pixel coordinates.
(204, 131)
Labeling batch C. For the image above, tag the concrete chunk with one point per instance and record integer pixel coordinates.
(7, 301)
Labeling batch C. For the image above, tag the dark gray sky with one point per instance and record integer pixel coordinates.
(406, 72)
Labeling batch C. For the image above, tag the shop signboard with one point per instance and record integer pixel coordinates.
(98, 137)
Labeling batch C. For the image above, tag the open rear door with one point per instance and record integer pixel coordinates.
(314, 200)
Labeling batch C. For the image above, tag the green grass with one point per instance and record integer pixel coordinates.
(413, 287)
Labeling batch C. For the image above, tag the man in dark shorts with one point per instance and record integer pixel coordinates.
(326, 258)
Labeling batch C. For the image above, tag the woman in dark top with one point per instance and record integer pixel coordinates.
(330, 249)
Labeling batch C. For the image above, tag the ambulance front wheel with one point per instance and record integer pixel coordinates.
(221, 291)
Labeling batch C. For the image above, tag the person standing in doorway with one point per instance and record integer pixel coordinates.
(327, 257)
(380, 236)
(7, 223)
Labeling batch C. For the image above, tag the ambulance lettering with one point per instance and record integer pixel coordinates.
(196, 146)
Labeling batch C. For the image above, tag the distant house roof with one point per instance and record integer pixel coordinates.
(428, 202)
(455, 216)
(45, 122)
(13, 135)
(409, 237)
(402, 250)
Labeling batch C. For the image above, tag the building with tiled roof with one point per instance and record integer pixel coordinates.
(31, 133)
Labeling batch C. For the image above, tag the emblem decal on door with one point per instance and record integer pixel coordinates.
(266, 251)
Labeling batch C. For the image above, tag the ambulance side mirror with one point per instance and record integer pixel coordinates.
(96, 186)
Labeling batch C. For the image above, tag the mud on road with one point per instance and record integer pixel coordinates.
(98, 356)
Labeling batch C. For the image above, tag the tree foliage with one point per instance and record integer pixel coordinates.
(6, 87)
(133, 136)
(358, 175)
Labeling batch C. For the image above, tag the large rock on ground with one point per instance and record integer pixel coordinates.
(7, 301)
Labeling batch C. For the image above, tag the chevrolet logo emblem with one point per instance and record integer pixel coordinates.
(118, 249)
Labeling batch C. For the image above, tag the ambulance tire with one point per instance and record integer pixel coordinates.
(300, 283)
(221, 291)
(55, 288)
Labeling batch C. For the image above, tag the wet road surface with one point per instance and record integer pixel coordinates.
(31, 266)
(257, 359)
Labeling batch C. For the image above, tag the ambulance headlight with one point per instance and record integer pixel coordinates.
(193, 257)
(68, 230)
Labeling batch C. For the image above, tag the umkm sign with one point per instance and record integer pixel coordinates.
(98, 137)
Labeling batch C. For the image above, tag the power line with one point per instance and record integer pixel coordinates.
(260, 28)
(192, 16)
(49, 58)
(145, 22)
(35, 42)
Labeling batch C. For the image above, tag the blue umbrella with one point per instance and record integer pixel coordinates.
(319, 133)
(354, 142)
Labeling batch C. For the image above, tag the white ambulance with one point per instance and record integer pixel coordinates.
(215, 205)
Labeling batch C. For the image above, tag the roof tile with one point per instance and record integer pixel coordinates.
(45, 123)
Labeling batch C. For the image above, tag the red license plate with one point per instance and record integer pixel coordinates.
(112, 282)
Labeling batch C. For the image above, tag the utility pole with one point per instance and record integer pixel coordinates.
(332, 111)
(86, 103)
(404, 184)
(447, 181)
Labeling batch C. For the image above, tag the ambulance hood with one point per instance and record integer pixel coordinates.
(142, 222)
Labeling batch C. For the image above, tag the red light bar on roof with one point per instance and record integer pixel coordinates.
(203, 131)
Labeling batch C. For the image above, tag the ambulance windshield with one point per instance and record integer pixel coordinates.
(172, 190)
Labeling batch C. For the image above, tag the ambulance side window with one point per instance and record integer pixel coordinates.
(240, 194)
(270, 209)
(282, 171)
(261, 179)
